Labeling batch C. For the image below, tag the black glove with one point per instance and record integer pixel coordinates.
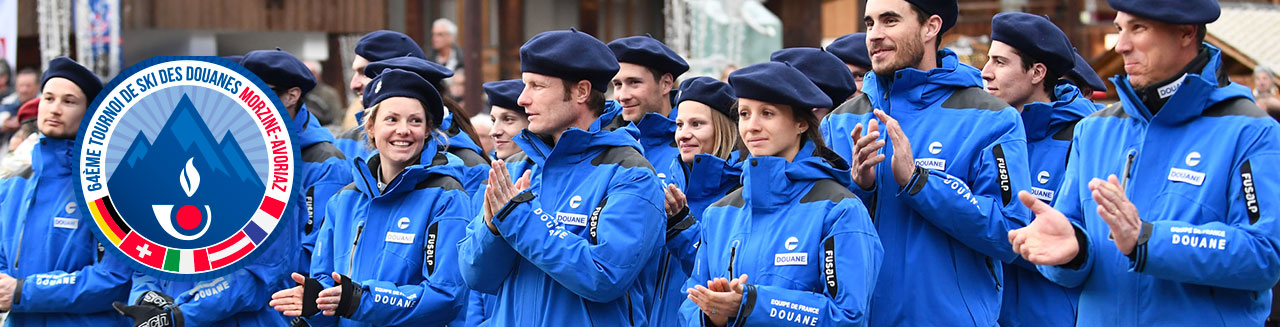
(156, 299)
(310, 291)
(350, 299)
(147, 315)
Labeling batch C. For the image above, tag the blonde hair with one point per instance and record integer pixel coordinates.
(371, 113)
(727, 139)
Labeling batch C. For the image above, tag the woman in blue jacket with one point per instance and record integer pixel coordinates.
(706, 169)
(385, 254)
(794, 205)
(509, 118)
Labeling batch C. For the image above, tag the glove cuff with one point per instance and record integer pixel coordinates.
(310, 291)
(350, 299)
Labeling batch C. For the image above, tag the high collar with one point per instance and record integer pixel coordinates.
(432, 161)
(1198, 91)
(608, 130)
(457, 139)
(1044, 119)
(920, 88)
(713, 174)
(656, 129)
(54, 157)
(308, 129)
(772, 182)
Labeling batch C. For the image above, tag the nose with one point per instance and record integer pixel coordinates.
(1123, 44)
(683, 135)
(357, 84)
(988, 73)
(525, 99)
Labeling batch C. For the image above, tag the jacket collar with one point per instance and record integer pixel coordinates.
(438, 163)
(308, 129)
(54, 157)
(608, 130)
(772, 182)
(1044, 119)
(920, 89)
(1198, 91)
(714, 175)
(657, 130)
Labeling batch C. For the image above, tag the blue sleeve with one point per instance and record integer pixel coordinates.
(321, 265)
(979, 213)
(851, 259)
(90, 289)
(691, 313)
(602, 268)
(1238, 251)
(484, 259)
(1068, 202)
(247, 289)
(441, 295)
(320, 195)
(682, 241)
(478, 306)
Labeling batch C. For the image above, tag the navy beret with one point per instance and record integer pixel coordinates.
(777, 83)
(280, 69)
(505, 94)
(384, 44)
(1177, 12)
(1084, 74)
(570, 55)
(822, 68)
(649, 52)
(1036, 37)
(711, 92)
(948, 10)
(393, 83)
(429, 70)
(71, 70)
(852, 49)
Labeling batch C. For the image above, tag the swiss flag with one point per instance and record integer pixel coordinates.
(144, 251)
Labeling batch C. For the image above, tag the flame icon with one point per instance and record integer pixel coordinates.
(188, 217)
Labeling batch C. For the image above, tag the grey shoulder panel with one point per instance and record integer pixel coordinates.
(445, 182)
(320, 152)
(974, 98)
(624, 156)
(469, 157)
(1235, 107)
(733, 199)
(827, 190)
(858, 105)
(355, 133)
(1114, 110)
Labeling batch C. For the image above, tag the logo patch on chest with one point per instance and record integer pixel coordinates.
(932, 163)
(575, 219)
(68, 223)
(791, 259)
(402, 238)
(1186, 176)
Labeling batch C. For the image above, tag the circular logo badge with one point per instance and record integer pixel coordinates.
(186, 167)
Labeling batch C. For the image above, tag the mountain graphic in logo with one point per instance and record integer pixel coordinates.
(199, 190)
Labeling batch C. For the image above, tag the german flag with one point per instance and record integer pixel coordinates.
(106, 216)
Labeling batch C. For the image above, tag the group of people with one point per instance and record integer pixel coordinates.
(877, 181)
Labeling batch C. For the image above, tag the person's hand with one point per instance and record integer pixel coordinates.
(1118, 212)
(501, 190)
(866, 154)
(340, 300)
(902, 163)
(1049, 239)
(289, 301)
(8, 285)
(676, 201)
(720, 300)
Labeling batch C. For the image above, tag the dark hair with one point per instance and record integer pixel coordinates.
(1201, 31)
(814, 134)
(1049, 76)
(595, 100)
(922, 17)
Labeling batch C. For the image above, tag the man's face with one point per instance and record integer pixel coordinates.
(550, 111)
(895, 36)
(1006, 79)
(440, 37)
(28, 85)
(358, 80)
(1263, 81)
(637, 91)
(61, 107)
(1151, 49)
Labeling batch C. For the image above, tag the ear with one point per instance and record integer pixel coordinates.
(802, 126)
(292, 96)
(1038, 73)
(932, 29)
(1187, 35)
(666, 83)
(581, 92)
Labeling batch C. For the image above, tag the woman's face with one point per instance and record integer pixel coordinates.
(694, 132)
(507, 124)
(399, 131)
(769, 129)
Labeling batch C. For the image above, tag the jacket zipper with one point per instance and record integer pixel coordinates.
(631, 320)
(18, 253)
(662, 276)
(351, 265)
(1128, 169)
(733, 252)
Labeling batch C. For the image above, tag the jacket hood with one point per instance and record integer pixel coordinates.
(308, 129)
(774, 182)
(432, 161)
(1199, 91)
(1043, 119)
(608, 130)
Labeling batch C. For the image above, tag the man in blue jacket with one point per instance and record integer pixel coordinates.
(940, 186)
(567, 250)
(1028, 54)
(643, 86)
(1171, 189)
(54, 270)
(375, 46)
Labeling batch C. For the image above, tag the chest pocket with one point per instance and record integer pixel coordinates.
(792, 259)
(1194, 194)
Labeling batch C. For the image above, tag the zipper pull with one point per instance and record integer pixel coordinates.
(1128, 169)
(733, 253)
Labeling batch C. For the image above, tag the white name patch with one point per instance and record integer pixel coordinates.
(68, 223)
(932, 163)
(1186, 176)
(402, 238)
(791, 259)
(1042, 194)
(572, 219)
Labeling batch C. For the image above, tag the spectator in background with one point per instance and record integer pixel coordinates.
(6, 79)
(1264, 90)
(483, 124)
(459, 92)
(444, 46)
(323, 101)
